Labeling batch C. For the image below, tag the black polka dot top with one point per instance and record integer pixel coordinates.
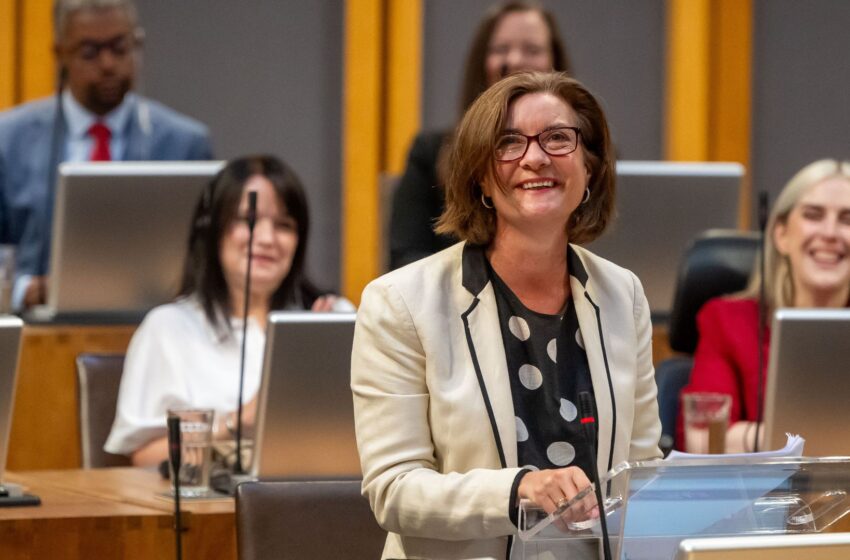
(548, 369)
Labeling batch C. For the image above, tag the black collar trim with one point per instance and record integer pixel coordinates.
(474, 265)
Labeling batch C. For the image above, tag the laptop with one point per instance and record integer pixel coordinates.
(119, 237)
(808, 380)
(661, 207)
(305, 415)
(10, 347)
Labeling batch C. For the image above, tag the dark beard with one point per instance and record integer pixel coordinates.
(101, 102)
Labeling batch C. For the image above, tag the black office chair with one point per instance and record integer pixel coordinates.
(305, 519)
(98, 380)
(718, 262)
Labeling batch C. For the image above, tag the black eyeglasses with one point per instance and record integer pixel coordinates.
(555, 142)
(119, 47)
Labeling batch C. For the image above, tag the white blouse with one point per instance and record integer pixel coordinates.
(176, 359)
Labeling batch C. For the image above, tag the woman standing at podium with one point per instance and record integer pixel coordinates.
(468, 365)
(807, 264)
(186, 354)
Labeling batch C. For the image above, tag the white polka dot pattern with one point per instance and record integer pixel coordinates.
(530, 467)
(568, 410)
(579, 339)
(552, 350)
(521, 430)
(530, 377)
(561, 453)
(519, 328)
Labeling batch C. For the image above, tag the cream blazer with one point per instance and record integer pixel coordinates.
(433, 410)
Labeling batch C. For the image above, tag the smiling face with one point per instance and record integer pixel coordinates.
(538, 190)
(520, 41)
(816, 240)
(275, 242)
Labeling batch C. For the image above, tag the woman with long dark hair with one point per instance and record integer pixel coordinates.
(186, 354)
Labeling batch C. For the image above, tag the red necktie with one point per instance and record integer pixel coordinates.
(101, 134)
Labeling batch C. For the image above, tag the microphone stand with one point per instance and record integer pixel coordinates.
(762, 316)
(55, 156)
(588, 421)
(174, 457)
(252, 220)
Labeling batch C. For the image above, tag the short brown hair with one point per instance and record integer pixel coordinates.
(470, 158)
(475, 73)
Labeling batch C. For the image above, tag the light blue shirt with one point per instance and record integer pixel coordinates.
(79, 144)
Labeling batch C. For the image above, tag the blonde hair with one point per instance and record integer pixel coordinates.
(470, 158)
(778, 283)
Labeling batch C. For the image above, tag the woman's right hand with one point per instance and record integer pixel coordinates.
(551, 487)
(324, 303)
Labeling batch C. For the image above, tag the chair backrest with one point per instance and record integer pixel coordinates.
(387, 186)
(718, 262)
(98, 380)
(306, 519)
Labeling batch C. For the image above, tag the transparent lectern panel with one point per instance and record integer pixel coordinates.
(650, 507)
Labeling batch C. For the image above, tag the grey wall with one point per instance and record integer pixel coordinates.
(616, 48)
(265, 76)
(801, 85)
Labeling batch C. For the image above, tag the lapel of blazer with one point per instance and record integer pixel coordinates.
(487, 351)
(138, 141)
(590, 322)
(46, 149)
(39, 138)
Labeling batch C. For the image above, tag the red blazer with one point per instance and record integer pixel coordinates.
(726, 358)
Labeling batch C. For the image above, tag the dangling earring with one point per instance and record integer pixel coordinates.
(484, 202)
(586, 195)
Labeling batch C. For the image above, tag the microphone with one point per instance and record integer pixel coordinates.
(252, 221)
(54, 157)
(762, 216)
(588, 422)
(174, 457)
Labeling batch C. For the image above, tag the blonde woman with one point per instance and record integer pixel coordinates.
(807, 264)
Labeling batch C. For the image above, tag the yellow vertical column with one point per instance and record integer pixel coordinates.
(8, 53)
(403, 81)
(362, 142)
(381, 115)
(38, 69)
(709, 77)
(26, 57)
(688, 43)
(730, 123)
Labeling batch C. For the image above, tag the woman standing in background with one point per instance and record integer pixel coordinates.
(513, 36)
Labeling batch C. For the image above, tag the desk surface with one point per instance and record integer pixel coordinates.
(110, 513)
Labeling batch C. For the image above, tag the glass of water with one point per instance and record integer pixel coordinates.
(196, 428)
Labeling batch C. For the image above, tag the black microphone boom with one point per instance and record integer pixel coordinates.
(252, 220)
(175, 459)
(762, 316)
(588, 421)
(56, 155)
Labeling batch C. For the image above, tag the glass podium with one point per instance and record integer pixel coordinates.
(652, 506)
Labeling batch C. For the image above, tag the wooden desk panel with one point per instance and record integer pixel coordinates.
(67, 525)
(45, 424)
(110, 513)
